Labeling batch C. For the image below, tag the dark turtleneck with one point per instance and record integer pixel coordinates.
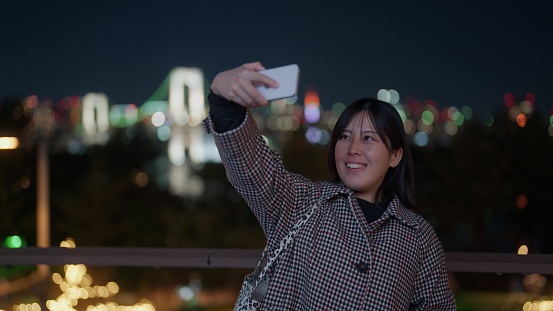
(372, 211)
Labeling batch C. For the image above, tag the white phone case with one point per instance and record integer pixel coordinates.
(287, 78)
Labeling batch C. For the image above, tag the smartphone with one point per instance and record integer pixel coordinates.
(287, 78)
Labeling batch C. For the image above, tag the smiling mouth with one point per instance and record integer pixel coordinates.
(354, 165)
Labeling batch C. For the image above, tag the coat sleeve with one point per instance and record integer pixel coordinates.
(258, 174)
(432, 290)
(224, 114)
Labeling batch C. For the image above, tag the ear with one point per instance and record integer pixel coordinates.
(396, 157)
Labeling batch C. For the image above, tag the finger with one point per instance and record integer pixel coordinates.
(253, 93)
(254, 98)
(254, 66)
(259, 79)
(240, 96)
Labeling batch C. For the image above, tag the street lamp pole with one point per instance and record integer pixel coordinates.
(43, 195)
(43, 119)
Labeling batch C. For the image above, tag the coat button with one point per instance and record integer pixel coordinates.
(362, 267)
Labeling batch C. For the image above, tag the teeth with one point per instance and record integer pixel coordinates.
(354, 165)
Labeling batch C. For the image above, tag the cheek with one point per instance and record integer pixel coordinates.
(337, 151)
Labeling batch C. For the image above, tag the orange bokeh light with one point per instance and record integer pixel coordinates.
(312, 96)
(521, 120)
(522, 201)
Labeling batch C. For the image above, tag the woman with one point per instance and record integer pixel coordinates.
(363, 248)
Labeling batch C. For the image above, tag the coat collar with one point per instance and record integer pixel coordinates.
(396, 209)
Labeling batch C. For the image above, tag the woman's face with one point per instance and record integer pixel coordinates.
(362, 158)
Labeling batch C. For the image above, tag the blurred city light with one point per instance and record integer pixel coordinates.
(177, 118)
(76, 285)
(488, 119)
(9, 142)
(390, 96)
(312, 105)
(421, 139)
(95, 118)
(523, 250)
(14, 241)
(158, 119)
(541, 305)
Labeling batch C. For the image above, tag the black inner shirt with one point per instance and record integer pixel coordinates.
(372, 211)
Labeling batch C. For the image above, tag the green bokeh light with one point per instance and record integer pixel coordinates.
(488, 120)
(467, 112)
(13, 241)
(458, 118)
(427, 117)
(338, 108)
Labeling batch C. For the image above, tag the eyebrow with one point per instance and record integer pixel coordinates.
(362, 131)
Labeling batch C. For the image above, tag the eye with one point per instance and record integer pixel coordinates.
(344, 137)
(368, 138)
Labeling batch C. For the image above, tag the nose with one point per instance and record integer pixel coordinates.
(354, 147)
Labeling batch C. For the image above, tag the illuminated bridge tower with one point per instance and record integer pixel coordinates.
(188, 146)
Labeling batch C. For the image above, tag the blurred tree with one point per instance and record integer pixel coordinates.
(487, 190)
(96, 202)
(17, 168)
(484, 191)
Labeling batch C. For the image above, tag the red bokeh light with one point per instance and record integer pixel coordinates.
(530, 98)
(509, 99)
(522, 201)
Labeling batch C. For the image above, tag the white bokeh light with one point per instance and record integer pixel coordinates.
(158, 119)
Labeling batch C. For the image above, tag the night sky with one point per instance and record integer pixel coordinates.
(455, 53)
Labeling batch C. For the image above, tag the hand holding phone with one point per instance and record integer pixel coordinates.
(287, 78)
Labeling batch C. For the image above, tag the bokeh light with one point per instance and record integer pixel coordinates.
(458, 118)
(410, 127)
(402, 114)
(488, 119)
(450, 128)
(164, 133)
(421, 139)
(522, 201)
(521, 120)
(313, 134)
(509, 99)
(423, 127)
(158, 119)
(530, 98)
(139, 178)
(312, 103)
(339, 107)
(9, 142)
(427, 117)
(523, 250)
(14, 241)
(390, 96)
(467, 112)
(76, 285)
(513, 112)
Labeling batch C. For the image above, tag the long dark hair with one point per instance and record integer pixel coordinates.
(399, 180)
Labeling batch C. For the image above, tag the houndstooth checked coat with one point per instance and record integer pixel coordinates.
(338, 260)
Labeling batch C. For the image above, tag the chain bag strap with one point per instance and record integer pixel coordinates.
(255, 284)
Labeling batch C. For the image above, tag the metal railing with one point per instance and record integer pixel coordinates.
(244, 258)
